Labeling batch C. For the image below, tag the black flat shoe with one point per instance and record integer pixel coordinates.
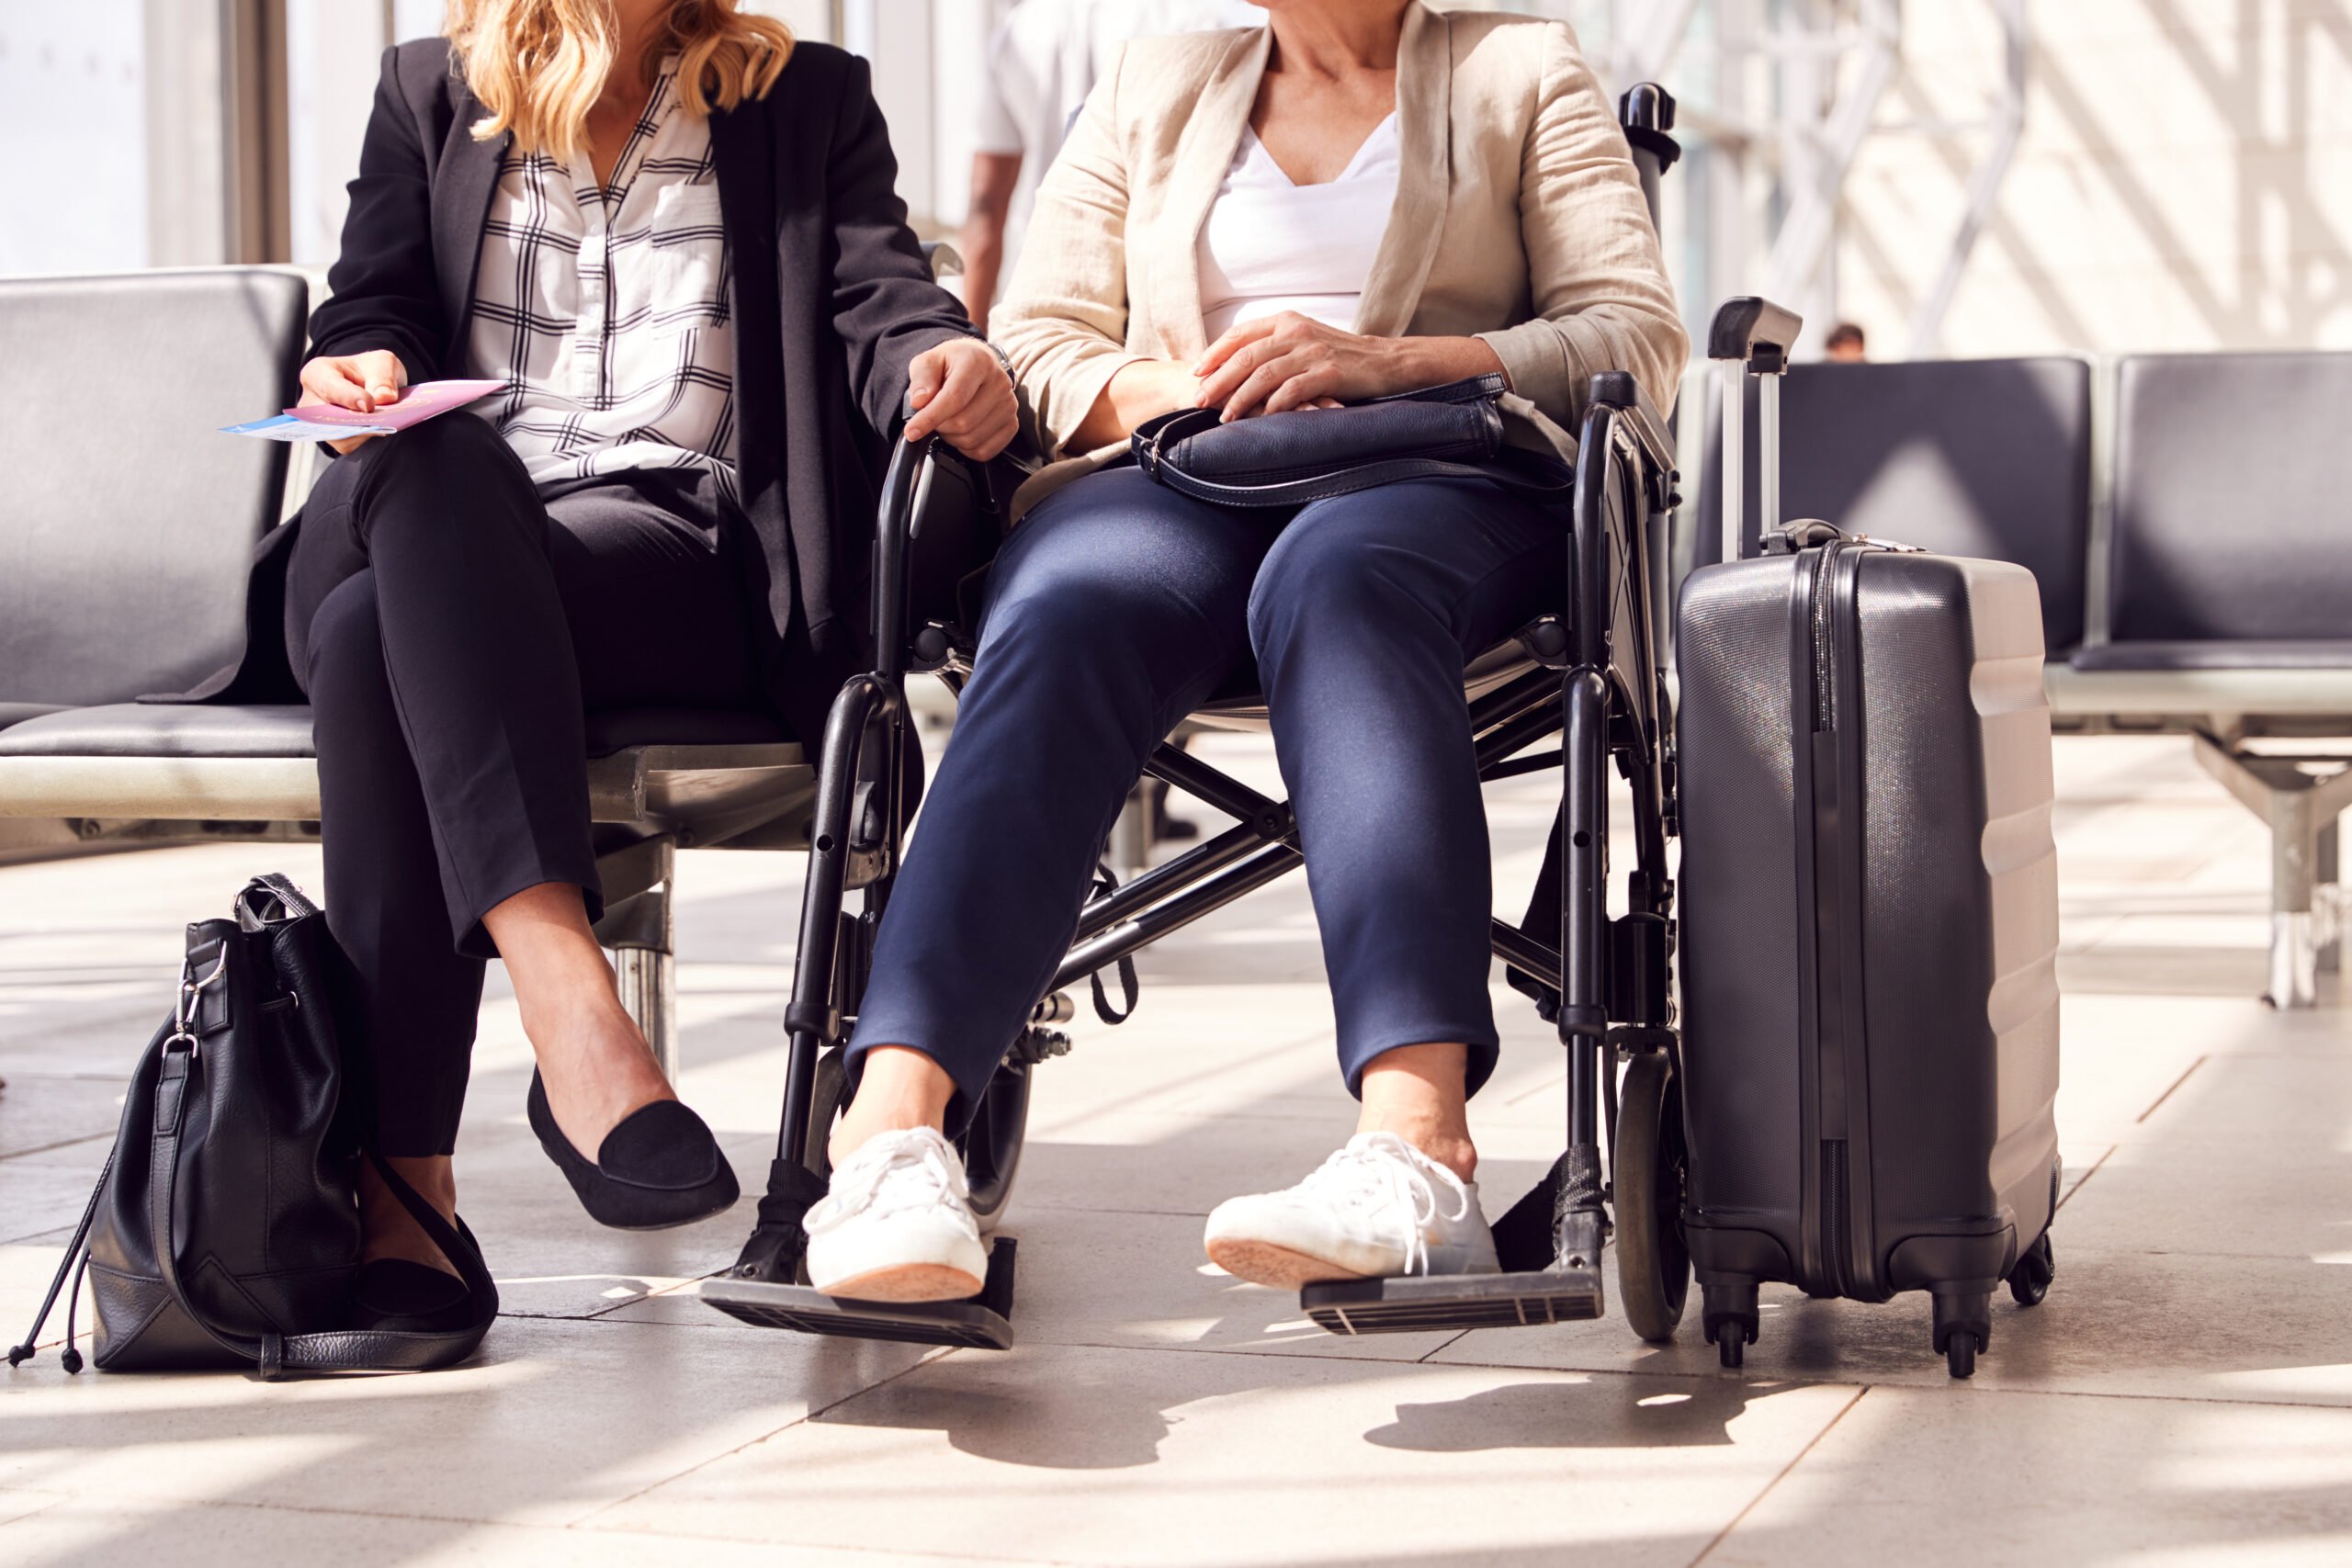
(660, 1167)
(402, 1297)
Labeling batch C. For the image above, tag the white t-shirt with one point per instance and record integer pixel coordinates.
(1046, 57)
(1270, 245)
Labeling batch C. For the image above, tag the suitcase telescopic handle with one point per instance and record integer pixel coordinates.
(1750, 336)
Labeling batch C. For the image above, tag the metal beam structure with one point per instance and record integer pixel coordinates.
(1784, 97)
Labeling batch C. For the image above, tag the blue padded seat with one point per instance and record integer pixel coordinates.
(123, 560)
(1984, 458)
(2233, 531)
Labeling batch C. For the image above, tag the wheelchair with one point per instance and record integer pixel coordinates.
(1592, 679)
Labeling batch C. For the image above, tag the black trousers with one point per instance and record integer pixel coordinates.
(451, 625)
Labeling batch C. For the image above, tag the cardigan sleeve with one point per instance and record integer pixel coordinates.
(1595, 274)
(382, 291)
(1063, 322)
(886, 309)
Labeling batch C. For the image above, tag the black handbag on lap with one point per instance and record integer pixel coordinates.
(1288, 459)
(224, 1231)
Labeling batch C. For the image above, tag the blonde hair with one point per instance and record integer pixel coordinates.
(539, 65)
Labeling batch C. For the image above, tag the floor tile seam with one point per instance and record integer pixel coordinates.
(2187, 1073)
(886, 1553)
(60, 1144)
(2067, 1196)
(54, 1499)
(1781, 1475)
(814, 1411)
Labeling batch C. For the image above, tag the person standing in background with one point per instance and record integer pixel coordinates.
(1845, 345)
(1042, 62)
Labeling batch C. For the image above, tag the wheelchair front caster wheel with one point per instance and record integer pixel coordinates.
(2029, 1281)
(1730, 1343)
(1960, 1353)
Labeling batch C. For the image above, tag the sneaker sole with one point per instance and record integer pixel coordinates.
(906, 1282)
(1263, 1263)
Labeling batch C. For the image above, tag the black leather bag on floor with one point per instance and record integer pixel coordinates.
(224, 1231)
(1454, 430)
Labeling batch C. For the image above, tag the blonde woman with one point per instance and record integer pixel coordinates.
(672, 232)
(1362, 197)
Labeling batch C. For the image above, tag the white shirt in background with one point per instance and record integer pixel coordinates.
(1270, 245)
(1048, 56)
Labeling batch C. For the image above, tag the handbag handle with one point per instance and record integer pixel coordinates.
(333, 1351)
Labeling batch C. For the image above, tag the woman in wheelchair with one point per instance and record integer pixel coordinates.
(1361, 198)
(646, 218)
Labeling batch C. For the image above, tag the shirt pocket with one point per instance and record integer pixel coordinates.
(689, 259)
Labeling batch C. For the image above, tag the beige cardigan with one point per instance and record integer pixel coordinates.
(1518, 219)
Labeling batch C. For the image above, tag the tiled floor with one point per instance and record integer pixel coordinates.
(2184, 1396)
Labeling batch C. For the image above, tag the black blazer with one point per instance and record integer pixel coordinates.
(831, 300)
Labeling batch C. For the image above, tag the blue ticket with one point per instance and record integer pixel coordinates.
(286, 427)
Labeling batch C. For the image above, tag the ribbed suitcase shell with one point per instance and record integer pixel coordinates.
(1938, 937)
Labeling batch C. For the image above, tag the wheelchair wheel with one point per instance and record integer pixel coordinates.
(991, 1144)
(1653, 1259)
(991, 1147)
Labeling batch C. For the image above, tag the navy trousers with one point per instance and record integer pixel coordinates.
(1117, 607)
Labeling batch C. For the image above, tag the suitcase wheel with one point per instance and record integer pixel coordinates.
(1963, 1326)
(2029, 1281)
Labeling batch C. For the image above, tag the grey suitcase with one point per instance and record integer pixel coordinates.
(1870, 926)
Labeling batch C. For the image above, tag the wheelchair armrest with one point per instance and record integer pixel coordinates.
(1617, 389)
(1754, 330)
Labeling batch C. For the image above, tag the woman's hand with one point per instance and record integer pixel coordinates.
(360, 382)
(961, 394)
(1289, 361)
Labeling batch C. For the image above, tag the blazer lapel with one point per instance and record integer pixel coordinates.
(747, 201)
(1204, 152)
(462, 188)
(1424, 178)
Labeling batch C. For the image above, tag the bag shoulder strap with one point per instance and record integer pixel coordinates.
(333, 1351)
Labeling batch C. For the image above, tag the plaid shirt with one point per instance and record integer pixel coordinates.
(607, 308)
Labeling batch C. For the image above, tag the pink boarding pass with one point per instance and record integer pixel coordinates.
(417, 404)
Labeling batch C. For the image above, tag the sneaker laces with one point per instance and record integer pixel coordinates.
(894, 1173)
(1380, 1173)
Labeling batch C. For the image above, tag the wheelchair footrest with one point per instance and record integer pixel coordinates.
(981, 1323)
(1412, 1302)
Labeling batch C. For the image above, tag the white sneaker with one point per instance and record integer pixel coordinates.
(896, 1224)
(1378, 1207)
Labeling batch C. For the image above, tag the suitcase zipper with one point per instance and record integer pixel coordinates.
(1829, 1044)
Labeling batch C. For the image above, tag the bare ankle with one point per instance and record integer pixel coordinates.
(898, 1090)
(1418, 1093)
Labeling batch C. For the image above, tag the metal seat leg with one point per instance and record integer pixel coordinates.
(639, 928)
(2301, 802)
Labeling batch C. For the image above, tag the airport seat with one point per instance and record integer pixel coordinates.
(1986, 458)
(124, 551)
(2228, 575)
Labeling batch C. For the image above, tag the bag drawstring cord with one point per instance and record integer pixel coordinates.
(76, 1259)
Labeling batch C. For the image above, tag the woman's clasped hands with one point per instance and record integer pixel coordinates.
(1287, 361)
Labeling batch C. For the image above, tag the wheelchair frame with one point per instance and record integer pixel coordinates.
(1597, 682)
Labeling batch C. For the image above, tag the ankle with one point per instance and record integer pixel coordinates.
(899, 1090)
(1449, 1146)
